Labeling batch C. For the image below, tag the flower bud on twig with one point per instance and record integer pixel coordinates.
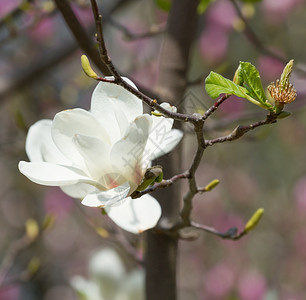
(253, 221)
(87, 67)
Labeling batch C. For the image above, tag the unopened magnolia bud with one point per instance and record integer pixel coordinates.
(87, 67)
(253, 221)
(212, 185)
(32, 229)
(285, 77)
(102, 232)
(152, 175)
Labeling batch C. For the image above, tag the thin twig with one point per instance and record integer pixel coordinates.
(193, 189)
(231, 234)
(165, 183)
(240, 130)
(119, 80)
(80, 34)
(100, 40)
(213, 108)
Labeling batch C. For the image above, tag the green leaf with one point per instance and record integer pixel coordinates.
(202, 6)
(164, 4)
(215, 84)
(249, 78)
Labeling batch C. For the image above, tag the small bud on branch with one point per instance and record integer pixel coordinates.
(253, 221)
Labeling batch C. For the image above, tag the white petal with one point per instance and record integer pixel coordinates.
(127, 153)
(52, 175)
(136, 215)
(67, 124)
(111, 197)
(106, 263)
(171, 140)
(169, 107)
(96, 155)
(108, 99)
(78, 190)
(40, 146)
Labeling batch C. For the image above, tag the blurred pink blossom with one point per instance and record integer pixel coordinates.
(43, 30)
(84, 15)
(7, 6)
(10, 293)
(277, 11)
(269, 68)
(222, 14)
(219, 281)
(213, 44)
(251, 286)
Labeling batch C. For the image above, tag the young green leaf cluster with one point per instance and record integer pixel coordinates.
(246, 84)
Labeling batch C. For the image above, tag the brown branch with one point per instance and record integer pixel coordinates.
(241, 130)
(193, 189)
(213, 108)
(119, 80)
(101, 44)
(161, 185)
(231, 234)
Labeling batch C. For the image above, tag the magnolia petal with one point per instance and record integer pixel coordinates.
(171, 140)
(96, 155)
(168, 107)
(67, 124)
(40, 146)
(136, 215)
(106, 263)
(52, 175)
(109, 98)
(78, 190)
(107, 198)
(159, 132)
(127, 153)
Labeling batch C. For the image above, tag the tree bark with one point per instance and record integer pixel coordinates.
(161, 252)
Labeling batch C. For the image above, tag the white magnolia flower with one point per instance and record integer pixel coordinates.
(109, 279)
(101, 155)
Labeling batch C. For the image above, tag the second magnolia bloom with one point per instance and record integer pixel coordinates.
(101, 155)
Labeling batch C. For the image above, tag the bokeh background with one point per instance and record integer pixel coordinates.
(40, 74)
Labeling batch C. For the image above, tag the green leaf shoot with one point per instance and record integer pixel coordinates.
(216, 84)
(250, 79)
